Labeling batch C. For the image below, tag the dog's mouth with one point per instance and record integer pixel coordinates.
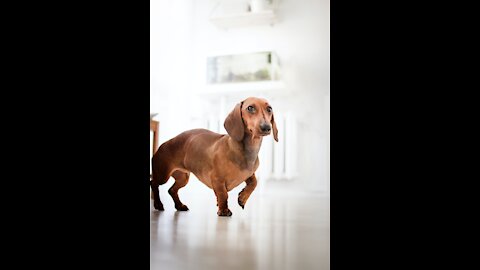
(264, 133)
(260, 133)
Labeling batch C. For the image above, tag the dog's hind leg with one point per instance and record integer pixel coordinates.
(181, 179)
(160, 175)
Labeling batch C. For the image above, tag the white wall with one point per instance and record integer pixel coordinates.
(182, 37)
(170, 63)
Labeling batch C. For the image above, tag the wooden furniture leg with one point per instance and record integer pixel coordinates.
(154, 126)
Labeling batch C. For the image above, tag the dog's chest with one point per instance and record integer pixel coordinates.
(237, 175)
(237, 179)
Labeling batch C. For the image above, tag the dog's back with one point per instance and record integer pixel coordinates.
(171, 155)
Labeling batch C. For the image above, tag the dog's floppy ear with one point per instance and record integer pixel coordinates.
(234, 123)
(275, 130)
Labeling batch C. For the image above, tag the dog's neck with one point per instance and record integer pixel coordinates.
(247, 149)
(251, 146)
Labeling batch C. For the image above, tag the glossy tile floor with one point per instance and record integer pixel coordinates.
(280, 228)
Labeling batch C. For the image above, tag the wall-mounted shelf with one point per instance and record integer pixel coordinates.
(266, 17)
(244, 88)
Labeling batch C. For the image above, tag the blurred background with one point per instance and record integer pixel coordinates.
(207, 56)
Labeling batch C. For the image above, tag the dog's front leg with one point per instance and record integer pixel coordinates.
(247, 190)
(222, 198)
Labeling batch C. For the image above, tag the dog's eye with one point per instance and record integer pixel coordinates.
(250, 109)
(269, 109)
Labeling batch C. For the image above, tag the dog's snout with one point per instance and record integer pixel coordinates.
(265, 127)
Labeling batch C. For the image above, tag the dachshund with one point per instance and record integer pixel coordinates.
(220, 161)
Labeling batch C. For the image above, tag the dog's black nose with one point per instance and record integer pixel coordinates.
(265, 127)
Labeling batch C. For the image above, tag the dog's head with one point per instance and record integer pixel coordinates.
(253, 116)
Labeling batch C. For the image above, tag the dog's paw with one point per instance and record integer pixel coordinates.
(182, 207)
(241, 203)
(224, 212)
(242, 199)
(158, 206)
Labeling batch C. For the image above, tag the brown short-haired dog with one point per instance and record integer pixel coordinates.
(220, 161)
